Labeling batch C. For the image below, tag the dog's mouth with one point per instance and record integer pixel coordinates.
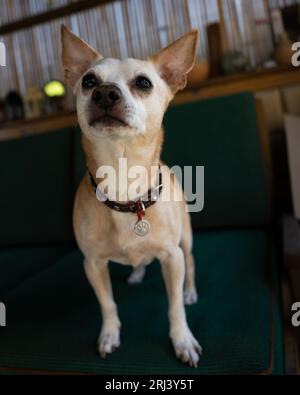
(108, 121)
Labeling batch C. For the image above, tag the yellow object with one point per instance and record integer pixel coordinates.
(54, 89)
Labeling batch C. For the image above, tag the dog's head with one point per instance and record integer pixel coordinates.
(125, 97)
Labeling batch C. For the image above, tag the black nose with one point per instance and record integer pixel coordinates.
(106, 96)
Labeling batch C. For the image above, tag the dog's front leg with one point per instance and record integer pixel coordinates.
(186, 347)
(98, 275)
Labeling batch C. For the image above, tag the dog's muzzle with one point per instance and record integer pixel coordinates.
(107, 96)
(107, 106)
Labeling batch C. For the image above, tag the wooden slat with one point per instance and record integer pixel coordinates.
(53, 14)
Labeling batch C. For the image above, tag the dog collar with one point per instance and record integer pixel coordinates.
(138, 207)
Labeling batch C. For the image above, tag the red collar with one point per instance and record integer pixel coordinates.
(135, 207)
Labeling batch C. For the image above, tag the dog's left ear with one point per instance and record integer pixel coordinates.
(177, 60)
(77, 56)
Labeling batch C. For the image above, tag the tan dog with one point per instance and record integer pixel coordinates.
(120, 106)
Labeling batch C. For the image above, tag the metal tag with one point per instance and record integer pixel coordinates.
(142, 228)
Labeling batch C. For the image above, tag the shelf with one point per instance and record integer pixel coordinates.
(17, 129)
(222, 86)
(248, 82)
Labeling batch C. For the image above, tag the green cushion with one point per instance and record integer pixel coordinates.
(54, 318)
(19, 264)
(222, 135)
(36, 202)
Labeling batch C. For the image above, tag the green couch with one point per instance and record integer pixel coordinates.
(53, 318)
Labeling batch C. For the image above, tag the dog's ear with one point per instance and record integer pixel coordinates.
(77, 56)
(177, 60)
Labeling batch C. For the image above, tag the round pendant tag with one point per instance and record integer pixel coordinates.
(142, 228)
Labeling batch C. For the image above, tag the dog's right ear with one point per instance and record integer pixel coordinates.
(77, 56)
(177, 60)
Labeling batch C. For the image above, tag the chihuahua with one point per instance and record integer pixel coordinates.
(120, 109)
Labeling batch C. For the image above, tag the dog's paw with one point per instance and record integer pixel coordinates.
(188, 350)
(190, 297)
(108, 342)
(137, 276)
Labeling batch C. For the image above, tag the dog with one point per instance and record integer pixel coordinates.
(120, 109)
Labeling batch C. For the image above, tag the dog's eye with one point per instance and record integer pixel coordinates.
(89, 81)
(143, 83)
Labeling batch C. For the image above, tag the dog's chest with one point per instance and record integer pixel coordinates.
(129, 247)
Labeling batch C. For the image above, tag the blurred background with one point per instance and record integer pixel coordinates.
(239, 116)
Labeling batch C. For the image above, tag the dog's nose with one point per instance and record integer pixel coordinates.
(106, 96)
